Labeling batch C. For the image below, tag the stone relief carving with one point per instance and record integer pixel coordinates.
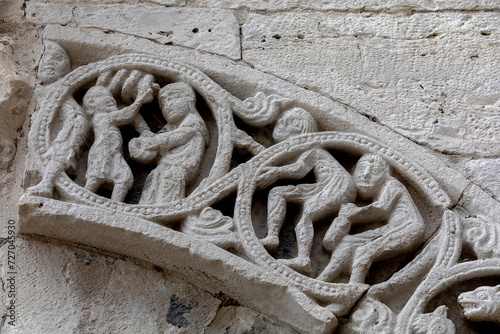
(322, 220)
(482, 304)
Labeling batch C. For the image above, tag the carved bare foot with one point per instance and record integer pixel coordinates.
(301, 264)
(270, 242)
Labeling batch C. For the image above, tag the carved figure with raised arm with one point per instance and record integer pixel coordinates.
(179, 147)
(392, 223)
(332, 188)
(64, 151)
(106, 164)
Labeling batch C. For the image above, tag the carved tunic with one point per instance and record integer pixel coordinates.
(106, 161)
(179, 162)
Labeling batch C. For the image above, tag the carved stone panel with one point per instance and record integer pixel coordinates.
(304, 217)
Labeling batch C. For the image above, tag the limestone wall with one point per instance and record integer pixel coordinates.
(421, 77)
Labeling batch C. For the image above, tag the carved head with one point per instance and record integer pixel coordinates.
(99, 99)
(293, 122)
(482, 304)
(176, 101)
(434, 323)
(370, 174)
(54, 64)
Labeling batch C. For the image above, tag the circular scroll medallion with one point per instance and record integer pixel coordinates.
(353, 144)
(221, 180)
(217, 99)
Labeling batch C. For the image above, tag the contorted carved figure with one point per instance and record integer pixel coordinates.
(180, 146)
(54, 64)
(105, 162)
(402, 227)
(482, 304)
(333, 187)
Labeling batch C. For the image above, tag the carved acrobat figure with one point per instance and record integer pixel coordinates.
(105, 161)
(333, 187)
(180, 146)
(402, 227)
(64, 151)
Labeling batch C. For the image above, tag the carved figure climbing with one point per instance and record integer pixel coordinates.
(332, 188)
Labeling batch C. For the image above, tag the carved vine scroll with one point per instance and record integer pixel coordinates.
(251, 185)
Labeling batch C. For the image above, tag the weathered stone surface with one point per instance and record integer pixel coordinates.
(15, 95)
(393, 6)
(93, 293)
(219, 198)
(485, 172)
(239, 319)
(440, 71)
(100, 2)
(201, 29)
(41, 13)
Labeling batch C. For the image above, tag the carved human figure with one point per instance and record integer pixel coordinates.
(333, 187)
(64, 150)
(105, 161)
(482, 304)
(54, 63)
(179, 147)
(399, 227)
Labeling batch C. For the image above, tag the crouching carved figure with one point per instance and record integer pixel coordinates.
(399, 226)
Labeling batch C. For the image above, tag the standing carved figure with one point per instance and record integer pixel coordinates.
(333, 187)
(400, 228)
(180, 146)
(54, 64)
(105, 162)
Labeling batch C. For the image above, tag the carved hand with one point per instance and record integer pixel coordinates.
(146, 88)
(348, 210)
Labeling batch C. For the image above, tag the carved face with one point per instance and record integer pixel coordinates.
(292, 123)
(176, 101)
(54, 63)
(482, 304)
(99, 99)
(369, 175)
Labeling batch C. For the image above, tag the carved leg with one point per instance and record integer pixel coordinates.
(338, 229)
(276, 206)
(46, 186)
(304, 231)
(363, 259)
(120, 190)
(92, 184)
(338, 261)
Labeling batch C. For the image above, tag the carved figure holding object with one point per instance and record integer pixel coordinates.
(179, 146)
(333, 187)
(399, 227)
(105, 162)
